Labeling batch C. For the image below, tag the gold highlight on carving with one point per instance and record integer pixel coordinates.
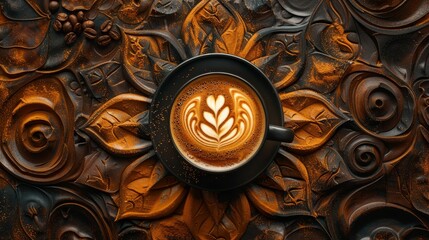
(217, 122)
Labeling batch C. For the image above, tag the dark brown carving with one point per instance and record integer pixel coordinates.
(78, 77)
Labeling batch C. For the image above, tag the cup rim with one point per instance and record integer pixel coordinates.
(242, 162)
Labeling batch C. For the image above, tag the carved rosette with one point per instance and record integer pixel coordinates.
(37, 138)
(77, 80)
(380, 105)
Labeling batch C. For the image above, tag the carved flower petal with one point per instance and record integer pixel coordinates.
(213, 26)
(327, 169)
(312, 117)
(102, 171)
(96, 78)
(212, 215)
(113, 125)
(148, 191)
(149, 56)
(323, 73)
(270, 197)
(273, 178)
(169, 228)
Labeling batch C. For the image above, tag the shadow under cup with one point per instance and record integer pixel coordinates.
(216, 122)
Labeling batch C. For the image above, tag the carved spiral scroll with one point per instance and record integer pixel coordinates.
(37, 143)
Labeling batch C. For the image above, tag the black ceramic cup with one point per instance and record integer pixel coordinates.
(173, 157)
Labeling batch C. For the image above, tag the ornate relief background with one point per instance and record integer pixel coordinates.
(76, 82)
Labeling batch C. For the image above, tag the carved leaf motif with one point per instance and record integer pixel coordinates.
(161, 68)
(170, 228)
(213, 26)
(285, 75)
(287, 45)
(290, 198)
(333, 34)
(211, 215)
(23, 30)
(141, 79)
(134, 12)
(323, 73)
(273, 178)
(102, 171)
(313, 119)
(339, 46)
(146, 60)
(97, 77)
(327, 169)
(118, 125)
(136, 61)
(148, 191)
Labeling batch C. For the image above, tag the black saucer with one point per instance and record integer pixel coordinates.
(160, 121)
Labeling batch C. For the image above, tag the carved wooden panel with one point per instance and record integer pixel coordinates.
(78, 158)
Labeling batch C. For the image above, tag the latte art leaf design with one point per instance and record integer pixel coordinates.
(219, 126)
(222, 125)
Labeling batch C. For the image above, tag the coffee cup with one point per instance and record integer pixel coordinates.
(216, 122)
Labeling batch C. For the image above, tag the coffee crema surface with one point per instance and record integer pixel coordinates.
(217, 122)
